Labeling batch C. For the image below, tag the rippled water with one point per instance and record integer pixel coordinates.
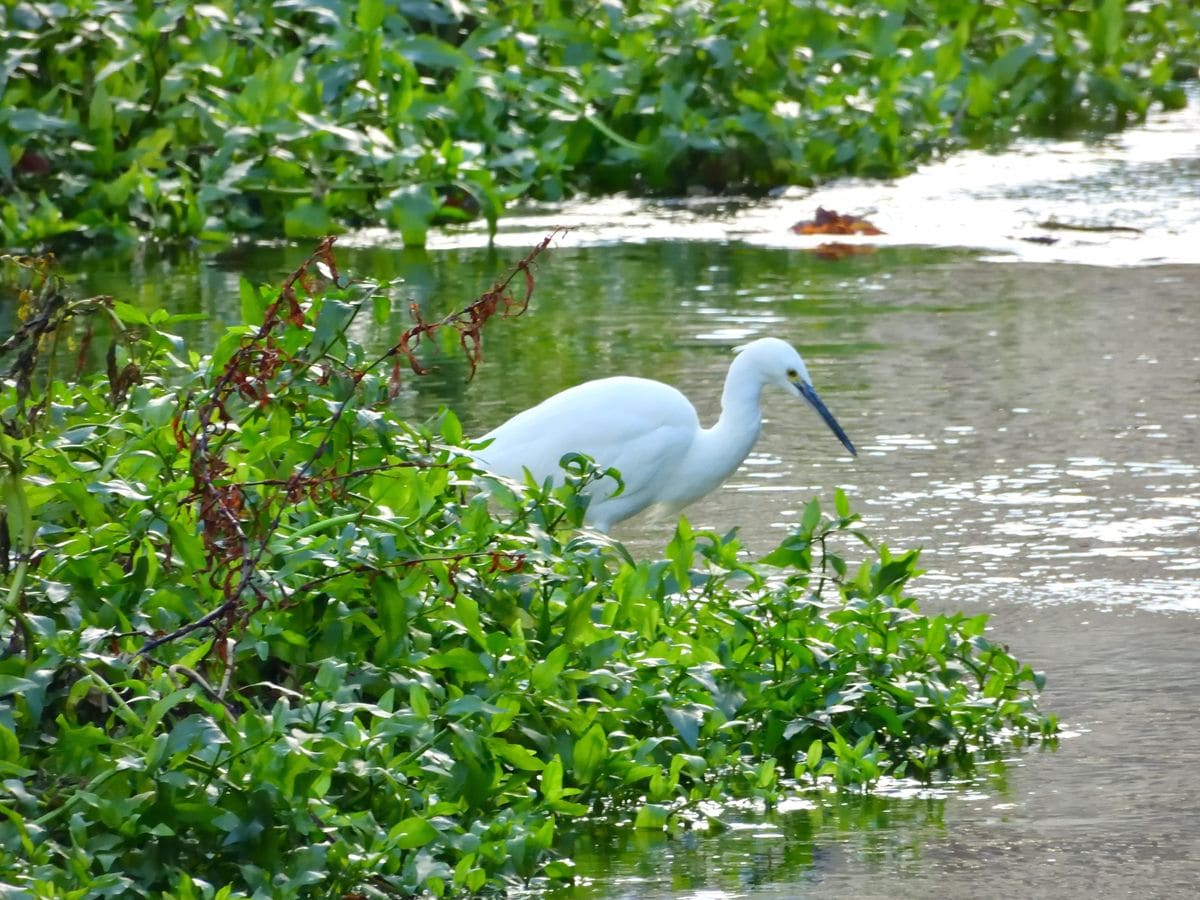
(1035, 429)
(1028, 414)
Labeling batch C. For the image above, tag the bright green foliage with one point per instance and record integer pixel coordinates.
(175, 118)
(407, 686)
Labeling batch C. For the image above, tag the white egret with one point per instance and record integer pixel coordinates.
(650, 433)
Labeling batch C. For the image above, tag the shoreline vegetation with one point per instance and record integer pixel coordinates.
(261, 637)
(122, 121)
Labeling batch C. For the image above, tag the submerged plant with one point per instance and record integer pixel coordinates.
(263, 638)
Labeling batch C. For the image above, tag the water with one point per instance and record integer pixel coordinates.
(1142, 182)
(1026, 413)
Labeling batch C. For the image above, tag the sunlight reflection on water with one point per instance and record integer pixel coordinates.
(1140, 184)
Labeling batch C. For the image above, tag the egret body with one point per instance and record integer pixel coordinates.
(650, 433)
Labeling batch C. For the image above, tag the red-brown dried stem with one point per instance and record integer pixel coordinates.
(469, 322)
(234, 548)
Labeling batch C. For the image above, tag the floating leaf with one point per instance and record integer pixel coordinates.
(828, 221)
(652, 816)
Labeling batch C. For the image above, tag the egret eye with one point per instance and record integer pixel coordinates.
(791, 373)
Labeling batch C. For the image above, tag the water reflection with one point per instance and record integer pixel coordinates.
(799, 845)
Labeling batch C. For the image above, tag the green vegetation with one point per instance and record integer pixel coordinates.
(261, 637)
(128, 118)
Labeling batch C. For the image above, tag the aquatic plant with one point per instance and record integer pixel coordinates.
(127, 118)
(261, 637)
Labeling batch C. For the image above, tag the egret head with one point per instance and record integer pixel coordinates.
(777, 362)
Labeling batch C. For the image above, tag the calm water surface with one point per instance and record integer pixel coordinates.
(1031, 421)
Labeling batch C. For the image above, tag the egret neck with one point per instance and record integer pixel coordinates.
(719, 450)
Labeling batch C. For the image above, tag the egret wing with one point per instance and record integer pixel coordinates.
(635, 425)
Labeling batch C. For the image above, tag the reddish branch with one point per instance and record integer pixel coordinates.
(469, 322)
(48, 308)
(233, 547)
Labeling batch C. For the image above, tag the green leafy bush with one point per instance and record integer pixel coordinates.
(122, 118)
(262, 638)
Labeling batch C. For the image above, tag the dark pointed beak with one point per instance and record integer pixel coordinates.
(809, 393)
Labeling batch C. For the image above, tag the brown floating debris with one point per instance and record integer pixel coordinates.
(829, 221)
(839, 250)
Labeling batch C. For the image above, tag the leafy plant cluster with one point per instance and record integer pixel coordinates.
(261, 638)
(129, 117)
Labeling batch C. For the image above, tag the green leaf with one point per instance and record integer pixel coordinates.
(10, 747)
(681, 551)
(795, 552)
(186, 544)
(418, 701)
(468, 615)
(461, 661)
(591, 751)
(330, 676)
(894, 723)
(309, 220)
(568, 808)
(130, 315)
(410, 210)
(370, 15)
(551, 782)
(546, 672)
(812, 517)
(892, 574)
(451, 428)
(26, 120)
(652, 816)
(813, 757)
(515, 755)
(560, 869)
(12, 684)
(117, 488)
(332, 321)
(413, 832)
(253, 302)
(686, 723)
(935, 638)
(381, 308)
(428, 51)
(100, 110)
(841, 504)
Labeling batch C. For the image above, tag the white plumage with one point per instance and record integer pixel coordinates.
(650, 433)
